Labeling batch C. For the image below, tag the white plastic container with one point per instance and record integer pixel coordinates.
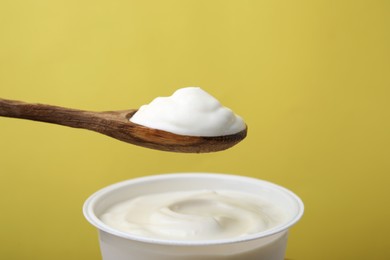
(266, 245)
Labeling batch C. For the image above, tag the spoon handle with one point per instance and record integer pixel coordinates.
(49, 114)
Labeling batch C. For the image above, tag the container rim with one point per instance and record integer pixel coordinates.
(88, 209)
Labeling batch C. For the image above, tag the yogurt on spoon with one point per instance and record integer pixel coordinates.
(189, 111)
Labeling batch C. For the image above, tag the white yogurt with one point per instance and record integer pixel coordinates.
(194, 215)
(189, 111)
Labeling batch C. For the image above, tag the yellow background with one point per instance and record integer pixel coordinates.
(311, 79)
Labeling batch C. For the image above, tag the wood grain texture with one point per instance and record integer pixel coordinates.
(116, 124)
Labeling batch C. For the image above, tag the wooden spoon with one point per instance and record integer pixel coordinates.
(116, 124)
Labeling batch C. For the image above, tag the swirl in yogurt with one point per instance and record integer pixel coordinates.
(194, 215)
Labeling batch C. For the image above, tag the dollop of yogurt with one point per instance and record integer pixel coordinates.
(194, 215)
(189, 111)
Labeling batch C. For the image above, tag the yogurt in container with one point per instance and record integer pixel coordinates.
(191, 216)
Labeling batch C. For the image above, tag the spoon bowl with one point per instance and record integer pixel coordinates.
(116, 124)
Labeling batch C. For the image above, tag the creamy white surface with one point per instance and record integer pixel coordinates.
(189, 111)
(194, 215)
